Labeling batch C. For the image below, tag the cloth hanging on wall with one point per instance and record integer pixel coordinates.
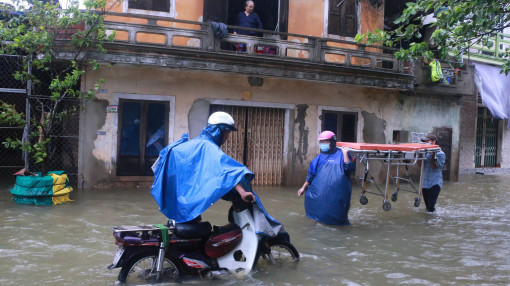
(493, 87)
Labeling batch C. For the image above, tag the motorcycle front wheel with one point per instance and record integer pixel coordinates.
(277, 253)
(142, 270)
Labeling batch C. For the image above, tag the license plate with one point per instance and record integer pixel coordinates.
(117, 256)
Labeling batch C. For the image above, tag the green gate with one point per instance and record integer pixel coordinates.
(486, 149)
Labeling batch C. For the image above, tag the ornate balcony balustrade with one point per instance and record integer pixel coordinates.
(166, 33)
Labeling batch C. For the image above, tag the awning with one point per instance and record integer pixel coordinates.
(494, 89)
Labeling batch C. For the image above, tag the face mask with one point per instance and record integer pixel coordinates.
(324, 147)
(427, 143)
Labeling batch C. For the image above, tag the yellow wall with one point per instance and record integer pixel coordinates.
(306, 17)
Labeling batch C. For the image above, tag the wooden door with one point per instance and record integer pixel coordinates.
(444, 140)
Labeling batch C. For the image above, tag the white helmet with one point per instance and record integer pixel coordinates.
(221, 117)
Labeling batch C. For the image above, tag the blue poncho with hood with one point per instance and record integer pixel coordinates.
(191, 175)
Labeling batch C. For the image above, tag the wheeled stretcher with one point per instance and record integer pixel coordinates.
(397, 155)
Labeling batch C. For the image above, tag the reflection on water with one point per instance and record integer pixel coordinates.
(464, 243)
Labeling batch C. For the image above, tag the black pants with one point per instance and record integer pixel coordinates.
(430, 197)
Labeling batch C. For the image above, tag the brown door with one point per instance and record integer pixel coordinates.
(444, 140)
(258, 143)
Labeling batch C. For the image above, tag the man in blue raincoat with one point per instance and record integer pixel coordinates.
(328, 186)
(191, 175)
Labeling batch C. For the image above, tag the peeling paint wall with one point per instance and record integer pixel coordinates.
(309, 12)
(382, 111)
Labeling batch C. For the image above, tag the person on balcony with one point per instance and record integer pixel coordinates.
(432, 174)
(328, 186)
(248, 19)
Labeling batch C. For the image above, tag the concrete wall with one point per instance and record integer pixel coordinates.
(381, 112)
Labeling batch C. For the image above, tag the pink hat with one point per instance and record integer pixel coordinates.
(326, 135)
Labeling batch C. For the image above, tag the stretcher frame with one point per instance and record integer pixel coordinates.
(397, 155)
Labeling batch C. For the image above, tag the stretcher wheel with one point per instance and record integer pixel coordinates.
(386, 206)
(363, 200)
(417, 201)
(394, 197)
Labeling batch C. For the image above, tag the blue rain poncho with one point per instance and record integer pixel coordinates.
(191, 175)
(328, 197)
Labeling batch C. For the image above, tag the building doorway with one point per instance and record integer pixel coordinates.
(444, 140)
(258, 143)
(272, 13)
(342, 123)
(143, 127)
(487, 130)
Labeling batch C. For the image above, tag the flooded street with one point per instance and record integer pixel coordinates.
(466, 242)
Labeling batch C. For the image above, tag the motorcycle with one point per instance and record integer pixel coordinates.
(161, 253)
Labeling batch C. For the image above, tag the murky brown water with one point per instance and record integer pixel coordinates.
(466, 242)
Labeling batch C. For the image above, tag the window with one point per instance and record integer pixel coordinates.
(343, 18)
(160, 8)
(150, 5)
(343, 124)
(143, 132)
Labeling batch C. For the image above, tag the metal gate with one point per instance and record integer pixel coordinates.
(258, 143)
(64, 140)
(486, 149)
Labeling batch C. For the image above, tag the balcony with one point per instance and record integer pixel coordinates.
(160, 41)
(458, 79)
(493, 52)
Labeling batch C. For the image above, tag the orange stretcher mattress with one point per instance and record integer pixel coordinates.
(406, 147)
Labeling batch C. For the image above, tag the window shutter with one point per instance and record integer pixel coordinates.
(343, 20)
(350, 19)
(150, 5)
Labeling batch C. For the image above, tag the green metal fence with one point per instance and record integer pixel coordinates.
(492, 51)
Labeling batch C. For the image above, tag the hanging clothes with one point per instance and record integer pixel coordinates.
(493, 87)
(328, 198)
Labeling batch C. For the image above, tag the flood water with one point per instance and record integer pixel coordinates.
(465, 242)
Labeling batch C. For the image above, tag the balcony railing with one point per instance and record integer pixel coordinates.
(181, 35)
(493, 51)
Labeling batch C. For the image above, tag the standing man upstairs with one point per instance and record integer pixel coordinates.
(191, 175)
(248, 19)
(432, 174)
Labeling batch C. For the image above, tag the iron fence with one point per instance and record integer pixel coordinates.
(63, 148)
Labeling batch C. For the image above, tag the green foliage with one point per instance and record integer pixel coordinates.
(54, 43)
(459, 25)
(10, 116)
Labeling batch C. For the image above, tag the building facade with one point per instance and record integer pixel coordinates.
(167, 72)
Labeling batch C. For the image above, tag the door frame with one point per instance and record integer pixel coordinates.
(283, 13)
(286, 107)
(322, 108)
(141, 97)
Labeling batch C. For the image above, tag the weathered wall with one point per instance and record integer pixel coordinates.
(468, 135)
(309, 12)
(382, 111)
(300, 11)
(505, 148)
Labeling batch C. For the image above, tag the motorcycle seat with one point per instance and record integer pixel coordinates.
(193, 230)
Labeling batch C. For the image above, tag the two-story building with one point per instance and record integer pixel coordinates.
(301, 75)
